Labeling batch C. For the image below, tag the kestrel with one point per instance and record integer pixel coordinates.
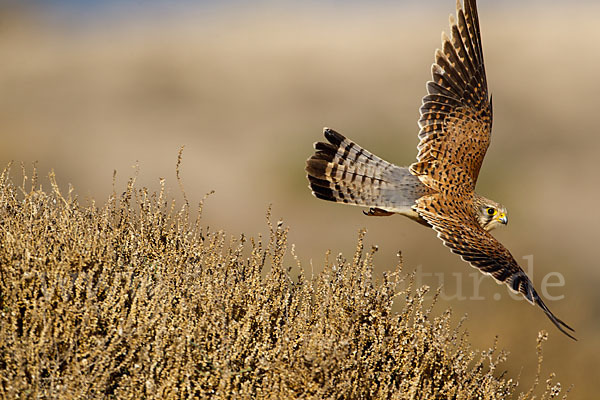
(438, 190)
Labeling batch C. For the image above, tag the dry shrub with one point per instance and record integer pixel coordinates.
(135, 299)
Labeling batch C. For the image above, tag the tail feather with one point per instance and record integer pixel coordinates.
(343, 172)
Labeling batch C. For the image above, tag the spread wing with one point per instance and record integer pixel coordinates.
(456, 115)
(459, 230)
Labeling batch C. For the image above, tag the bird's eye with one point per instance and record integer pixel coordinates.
(491, 211)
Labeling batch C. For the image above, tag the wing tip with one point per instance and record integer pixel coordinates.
(556, 321)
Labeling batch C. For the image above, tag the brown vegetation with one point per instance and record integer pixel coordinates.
(136, 299)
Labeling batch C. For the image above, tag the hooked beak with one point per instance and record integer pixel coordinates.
(502, 218)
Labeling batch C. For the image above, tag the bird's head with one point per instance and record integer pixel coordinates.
(490, 214)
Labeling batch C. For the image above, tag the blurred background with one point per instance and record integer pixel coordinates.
(89, 87)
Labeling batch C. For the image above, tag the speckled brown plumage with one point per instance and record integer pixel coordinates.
(437, 190)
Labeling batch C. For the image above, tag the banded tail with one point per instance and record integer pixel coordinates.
(343, 172)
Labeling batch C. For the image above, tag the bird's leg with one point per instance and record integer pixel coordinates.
(377, 212)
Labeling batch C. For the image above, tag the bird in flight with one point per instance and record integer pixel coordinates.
(438, 190)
